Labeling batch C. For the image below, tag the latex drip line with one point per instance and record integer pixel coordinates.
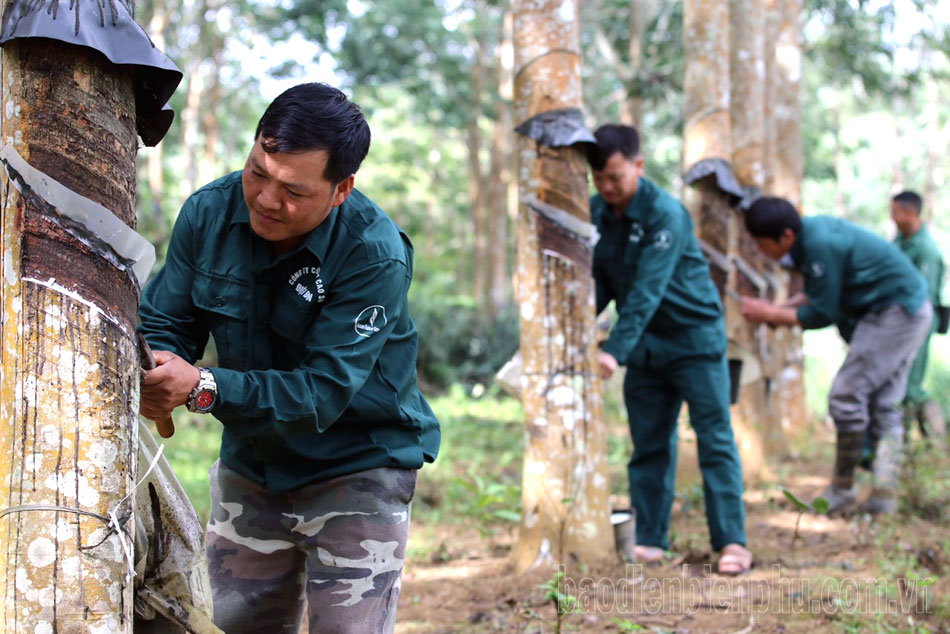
(114, 521)
(715, 258)
(553, 51)
(760, 282)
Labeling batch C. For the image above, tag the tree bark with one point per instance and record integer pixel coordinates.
(749, 27)
(641, 13)
(748, 91)
(565, 515)
(709, 135)
(70, 367)
(785, 169)
(706, 81)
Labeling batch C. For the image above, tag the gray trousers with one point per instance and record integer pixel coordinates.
(869, 386)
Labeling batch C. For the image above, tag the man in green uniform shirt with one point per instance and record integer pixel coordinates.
(671, 336)
(301, 280)
(860, 282)
(915, 241)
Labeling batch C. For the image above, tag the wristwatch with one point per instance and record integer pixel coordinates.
(205, 395)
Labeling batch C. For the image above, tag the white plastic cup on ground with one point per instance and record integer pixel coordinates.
(625, 533)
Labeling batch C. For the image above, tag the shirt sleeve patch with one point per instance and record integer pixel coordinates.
(370, 320)
(662, 240)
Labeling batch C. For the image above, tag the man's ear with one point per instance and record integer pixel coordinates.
(343, 190)
(788, 239)
(639, 163)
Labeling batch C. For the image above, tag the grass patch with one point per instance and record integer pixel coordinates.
(477, 476)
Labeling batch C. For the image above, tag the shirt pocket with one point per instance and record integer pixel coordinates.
(224, 302)
(631, 252)
(292, 317)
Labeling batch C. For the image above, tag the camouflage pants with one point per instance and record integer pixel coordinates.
(339, 543)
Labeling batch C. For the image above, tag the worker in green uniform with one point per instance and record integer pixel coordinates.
(865, 285)
(671, 336)
(301, 280)
(915, 241)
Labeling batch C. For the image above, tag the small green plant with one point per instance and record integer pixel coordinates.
(819, 505)
(627, 625)
(564, 602)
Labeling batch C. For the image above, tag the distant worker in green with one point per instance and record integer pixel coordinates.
(916, 242)
(863, 284)
(671, 336)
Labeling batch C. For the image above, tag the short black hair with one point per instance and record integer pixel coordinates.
(910, 199)
(316, 116)
(613, 138)
(770, 216)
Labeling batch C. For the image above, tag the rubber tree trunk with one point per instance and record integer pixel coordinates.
(641, 12)
(706, 81)
(757, 406)
(565, 489)
(708, 135)
(68, 412)
(785, 160)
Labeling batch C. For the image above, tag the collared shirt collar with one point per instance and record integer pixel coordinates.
(631, 212)
(643, 185)
(797, 252)
(918, 236)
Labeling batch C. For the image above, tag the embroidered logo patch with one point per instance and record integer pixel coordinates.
(817, 269)
(636, 232)
(308, 283)
(662, 240)
(370, 320)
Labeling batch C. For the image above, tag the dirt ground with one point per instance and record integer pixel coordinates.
(839, 575)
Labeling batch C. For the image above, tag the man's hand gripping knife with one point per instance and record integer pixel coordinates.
(166, 427)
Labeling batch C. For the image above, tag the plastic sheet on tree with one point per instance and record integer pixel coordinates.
(172, 588)
(557, 128)
(108, 27)
(86, 220)
(720, 169)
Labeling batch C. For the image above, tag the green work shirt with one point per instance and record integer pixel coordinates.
(649, 262)
(925, 254)
(850, 272)
(316, 351)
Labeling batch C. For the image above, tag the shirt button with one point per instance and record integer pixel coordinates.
(219, 301)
